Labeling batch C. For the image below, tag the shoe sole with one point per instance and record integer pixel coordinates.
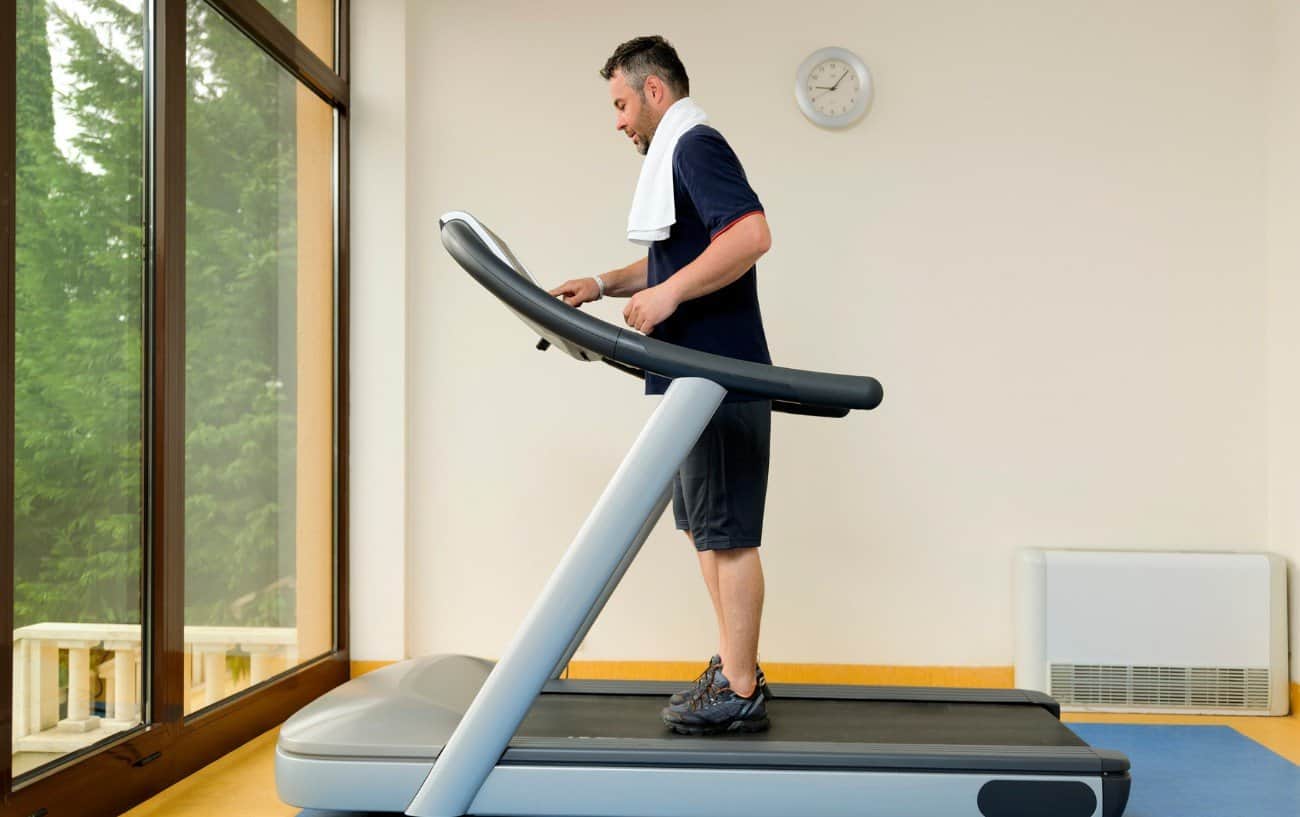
(735, 726)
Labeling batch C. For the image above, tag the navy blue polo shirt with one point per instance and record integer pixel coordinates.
(710, 193)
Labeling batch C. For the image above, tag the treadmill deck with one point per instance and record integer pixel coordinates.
(408, 711)
(802, 720)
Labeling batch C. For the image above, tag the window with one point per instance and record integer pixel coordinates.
(78, 510)
(172, 462)
(311, 20)
(259, 357)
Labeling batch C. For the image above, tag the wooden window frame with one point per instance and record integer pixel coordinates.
(111, 778)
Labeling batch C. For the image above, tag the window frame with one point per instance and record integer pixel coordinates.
(110, 778)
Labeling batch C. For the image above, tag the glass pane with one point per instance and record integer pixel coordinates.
(77, 389)
(259, 366)
(311, 20)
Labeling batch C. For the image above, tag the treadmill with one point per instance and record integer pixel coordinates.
(451, 735)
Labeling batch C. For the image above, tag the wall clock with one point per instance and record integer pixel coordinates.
(833, 87)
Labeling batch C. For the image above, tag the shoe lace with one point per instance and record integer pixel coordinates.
(708, 694)
(705, 678)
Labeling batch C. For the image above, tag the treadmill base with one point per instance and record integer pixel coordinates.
(637, 791)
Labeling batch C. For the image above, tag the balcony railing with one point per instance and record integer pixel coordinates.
(59, 696)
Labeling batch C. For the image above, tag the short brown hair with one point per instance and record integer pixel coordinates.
(640, 57)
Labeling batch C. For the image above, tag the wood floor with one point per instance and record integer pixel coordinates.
(242, 783)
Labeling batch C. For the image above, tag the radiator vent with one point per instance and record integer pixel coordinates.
(1192, 632)
(1144, 687)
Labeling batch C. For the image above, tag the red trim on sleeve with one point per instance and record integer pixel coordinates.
(733, 223)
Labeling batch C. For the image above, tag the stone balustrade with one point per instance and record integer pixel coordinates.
(210, 676)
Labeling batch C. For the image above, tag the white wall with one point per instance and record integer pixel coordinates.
(377, 456)
(1046, 240)
(1284, 306)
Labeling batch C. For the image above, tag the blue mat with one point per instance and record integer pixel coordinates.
(1199, 771)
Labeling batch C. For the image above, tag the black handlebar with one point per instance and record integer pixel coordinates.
(812, 392)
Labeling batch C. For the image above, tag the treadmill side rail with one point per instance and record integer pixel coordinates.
(646, 791)
(578, 585)
(839, 692)
(1084, 761)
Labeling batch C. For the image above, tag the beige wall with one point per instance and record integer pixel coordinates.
(1046, 240)
(1284, 305)
(377, 456)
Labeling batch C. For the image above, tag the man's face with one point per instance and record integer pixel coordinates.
(636, 117)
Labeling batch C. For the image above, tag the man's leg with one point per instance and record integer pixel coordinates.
(739, 579)
(709, 569)
(724, 488)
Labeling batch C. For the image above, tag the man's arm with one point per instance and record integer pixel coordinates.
(619, 283)
(628, 281)
(728, 256)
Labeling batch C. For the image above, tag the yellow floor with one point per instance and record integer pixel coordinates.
(243, 782)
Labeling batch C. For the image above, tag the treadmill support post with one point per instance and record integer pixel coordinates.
(578, 586)
(612, 584)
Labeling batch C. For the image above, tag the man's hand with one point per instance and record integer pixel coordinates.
(578, 291)
(650, 307)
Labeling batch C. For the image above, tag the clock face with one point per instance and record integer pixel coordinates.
(833, 87)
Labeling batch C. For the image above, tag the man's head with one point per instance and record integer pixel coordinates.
(645, 78)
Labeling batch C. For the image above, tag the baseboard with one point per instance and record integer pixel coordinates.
(786, 673)
(362, 667)
(783, 673)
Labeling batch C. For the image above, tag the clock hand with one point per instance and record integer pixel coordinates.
(841, 79)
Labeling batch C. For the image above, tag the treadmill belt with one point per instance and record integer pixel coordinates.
(805, 720)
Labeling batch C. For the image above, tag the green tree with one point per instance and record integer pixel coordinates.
(241, 263)
(78, 341)
(78, 460)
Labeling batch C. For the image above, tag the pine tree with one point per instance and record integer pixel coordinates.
(78, 461)
(241, 264)
(78, 340)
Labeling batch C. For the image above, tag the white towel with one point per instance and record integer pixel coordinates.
(652, 211)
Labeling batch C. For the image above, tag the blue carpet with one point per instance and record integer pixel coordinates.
(1199, 771)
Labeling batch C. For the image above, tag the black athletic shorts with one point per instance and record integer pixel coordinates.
(721, 487)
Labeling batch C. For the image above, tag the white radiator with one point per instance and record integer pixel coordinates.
(1126, 631)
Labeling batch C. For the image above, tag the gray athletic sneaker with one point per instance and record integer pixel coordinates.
(681, 698)
(717, 709)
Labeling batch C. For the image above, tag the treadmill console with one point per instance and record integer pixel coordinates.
(502, 251)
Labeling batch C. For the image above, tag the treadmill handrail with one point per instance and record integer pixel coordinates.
(468, 246)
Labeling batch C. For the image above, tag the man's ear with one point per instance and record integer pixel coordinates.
(654, 88)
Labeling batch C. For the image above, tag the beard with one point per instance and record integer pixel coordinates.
(645, 130)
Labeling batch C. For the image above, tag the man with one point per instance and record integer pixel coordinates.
(697, 287)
